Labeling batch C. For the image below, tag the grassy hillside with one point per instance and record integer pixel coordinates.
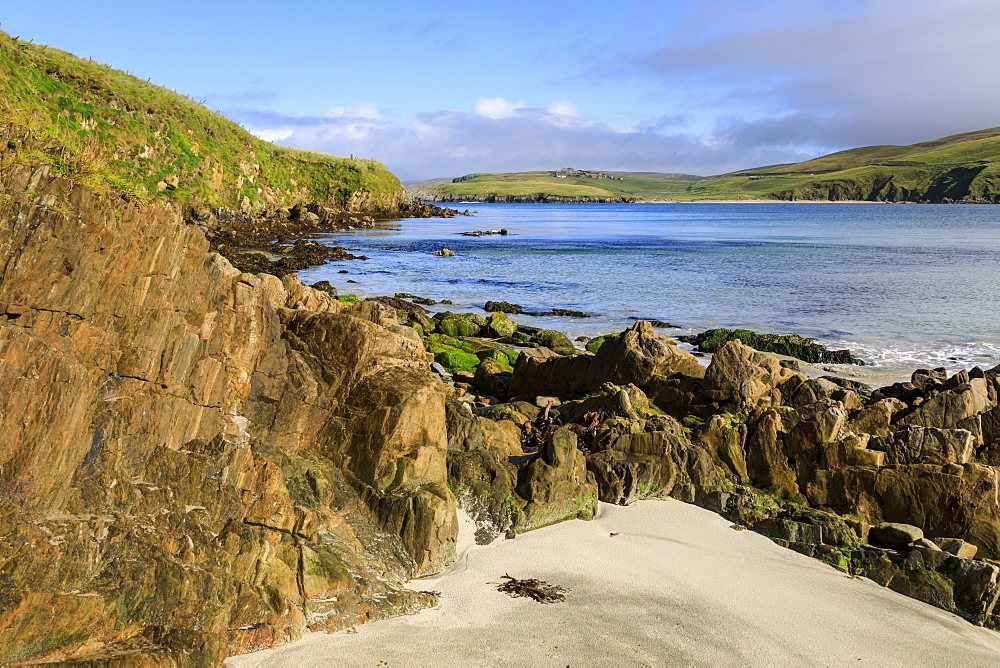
(959, 168)
(107, 129)
(964, 167)
(575, 183)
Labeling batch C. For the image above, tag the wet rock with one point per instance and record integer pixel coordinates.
(499, 325)
(444, 252)
(502, 307)
(458, 324)
(792, 345)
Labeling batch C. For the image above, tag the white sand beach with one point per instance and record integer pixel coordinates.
(658, 583)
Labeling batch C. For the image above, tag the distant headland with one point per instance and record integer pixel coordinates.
(963, 168)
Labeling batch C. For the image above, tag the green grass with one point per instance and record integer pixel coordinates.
(110, 130)
(625, 185)
(963, 167)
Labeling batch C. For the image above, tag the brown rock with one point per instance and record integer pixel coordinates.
(877, 418)
(898, 536)
(740, 376)
(557, 485)
(638, 356)
(950, 407)
(918, 445)
(957, 547)
(236, 458)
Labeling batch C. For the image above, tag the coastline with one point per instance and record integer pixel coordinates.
(659, 582)
(574, 259)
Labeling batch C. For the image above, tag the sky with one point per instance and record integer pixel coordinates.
(440, 88)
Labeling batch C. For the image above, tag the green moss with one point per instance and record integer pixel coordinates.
(457, 327)
(792, 345)
(595, 344)
(348, 299)
(550, 338)
(453, 359)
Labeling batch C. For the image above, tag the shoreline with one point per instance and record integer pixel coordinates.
(895, 347)
(659, 582)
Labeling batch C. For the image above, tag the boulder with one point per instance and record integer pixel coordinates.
(947, 409)
(957, 547)
(919, 445)
(896, 536)
(724, 438)
(766, 458)
(609, 401)
(483, 482)
(556, 484)
(493, 378)
(740, 376)
(638, 356)
(811, 391)
(499, 325)
(468, 432)
(877, 418)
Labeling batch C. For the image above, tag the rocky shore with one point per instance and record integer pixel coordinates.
(201, 461)
(897, 484)
(281, 241)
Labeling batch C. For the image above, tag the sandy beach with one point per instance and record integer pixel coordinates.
(657, 583)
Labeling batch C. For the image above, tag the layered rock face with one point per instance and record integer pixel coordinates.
(197, 462)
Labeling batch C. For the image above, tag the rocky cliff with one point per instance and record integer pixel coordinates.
(197, 461)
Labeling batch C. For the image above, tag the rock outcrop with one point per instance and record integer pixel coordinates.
(810, 462)
(197, 461)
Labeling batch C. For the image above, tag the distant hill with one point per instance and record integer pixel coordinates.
(959, 168)
(109, 130)
(554, 186)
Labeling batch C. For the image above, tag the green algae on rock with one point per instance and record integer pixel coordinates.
(792, 345)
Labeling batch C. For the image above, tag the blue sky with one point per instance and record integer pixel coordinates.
(442, 88)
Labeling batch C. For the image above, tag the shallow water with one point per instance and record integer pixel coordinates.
(904, 286)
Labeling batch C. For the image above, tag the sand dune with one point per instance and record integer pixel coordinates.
(676, 586)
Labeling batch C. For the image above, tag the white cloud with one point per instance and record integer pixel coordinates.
(496, 107)
(563, 108)
(274, 134)
(500, 136)
(367, 110)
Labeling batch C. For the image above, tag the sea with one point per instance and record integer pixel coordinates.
(903, 286)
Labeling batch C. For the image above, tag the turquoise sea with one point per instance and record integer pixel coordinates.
(904, 286)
